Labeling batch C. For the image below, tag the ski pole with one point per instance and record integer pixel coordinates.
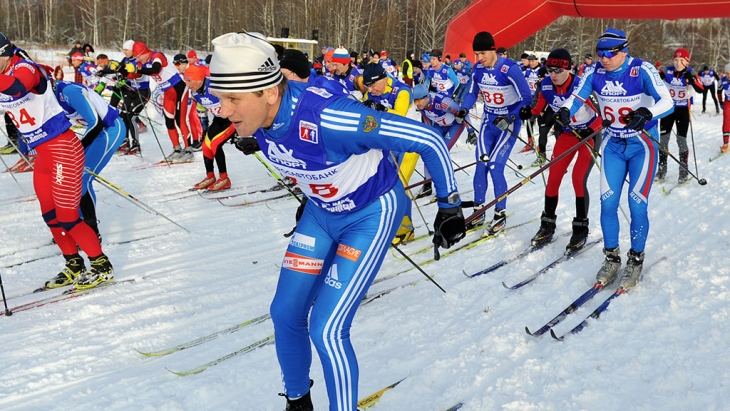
(8, 313)
(17, 149)
(402, 177)
(692, 136)
(417, 267)
(428, 180)
(701, 181)
(131, 198)
(276, 176)
(514, 188)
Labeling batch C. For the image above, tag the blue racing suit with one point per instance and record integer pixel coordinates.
(504, 90)
(336, 151)
(634, 84)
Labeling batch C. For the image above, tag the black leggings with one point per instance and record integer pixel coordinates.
(709, 89)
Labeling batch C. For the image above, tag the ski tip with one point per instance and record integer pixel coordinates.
(527, 330)
(38, 290)
(555, 336)
(506, 286)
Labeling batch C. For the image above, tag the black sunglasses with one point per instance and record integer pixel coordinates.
(554, 70)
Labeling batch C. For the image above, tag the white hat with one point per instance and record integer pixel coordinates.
(727, 67)
(128, 45)
(243, 62)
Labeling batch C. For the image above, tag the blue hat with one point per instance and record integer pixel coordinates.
(6, 47)
(420, 91)
(372, 73)
(613, 39)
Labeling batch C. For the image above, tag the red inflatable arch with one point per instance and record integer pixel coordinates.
(511, 22)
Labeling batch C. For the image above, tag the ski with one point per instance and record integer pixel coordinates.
(263, 200)
(718, 156)
(201, 340)
(580, 301)
(455, 407)
(565, 257)
(245, 350)
(372, 399)
(66, 295)
(667, 192)
(601, 308)
(216, 195)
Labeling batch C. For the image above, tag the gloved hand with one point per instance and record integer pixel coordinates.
(462, 113)
(449, 227)
(471, 138)
(525, 113)
(432, 89)
(562, 117)
(375, 105)
(689, 77)
(638, 118)
(121, 83)
(130, 68)
(99, 88)
(247, 145)
(503, 122)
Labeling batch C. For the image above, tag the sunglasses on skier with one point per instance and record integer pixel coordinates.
(555, 70)
(609, 53)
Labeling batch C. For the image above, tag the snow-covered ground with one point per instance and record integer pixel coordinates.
(662, 346)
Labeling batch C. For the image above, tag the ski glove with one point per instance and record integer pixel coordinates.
(525, 113)
(503, 122)
(375, 105)
(638, 118)
(449, 227)
(247, 145)
(562, 117)
(689, 78)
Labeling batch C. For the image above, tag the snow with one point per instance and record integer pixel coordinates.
(661, 346)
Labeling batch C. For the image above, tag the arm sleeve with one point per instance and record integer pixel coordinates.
(452, 76)
(76, 98)
(24, 79)
(581, 93)
(155, 69)
(539, 104)
(402, 103)
(653, 85)
(470, 97)
(392, 133)
(518, 81)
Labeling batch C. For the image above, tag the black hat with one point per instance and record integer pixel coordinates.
(279, 49)
(6, 47)
(559, 58)
(372, 73)
(435, 53)
(208, 58)
(295, 61)
(353, 54)
(705, 68)
(523, 56)
(589, 56)
(483, 41)
(180, 59)
(501, 50)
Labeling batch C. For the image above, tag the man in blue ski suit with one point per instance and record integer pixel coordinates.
(336, 151)
(632, 96)
(505, 91)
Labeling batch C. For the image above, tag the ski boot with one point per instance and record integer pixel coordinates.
(207, 182)
(74, 268)
(176, 153)
(529, 146)
(7, 149)
(223, 183)
(610, 266)
(632, 272)
(186, 156)
(303, 403)
(426, 190)
(496, 225)
(545, 233)
(579, 237)
(724, 148)
(539, 161)
(197, 145)
(405, 233)
(101, 271)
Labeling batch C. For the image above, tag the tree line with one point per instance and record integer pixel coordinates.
(397, 26)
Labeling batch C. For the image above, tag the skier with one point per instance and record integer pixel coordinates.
(344, 72)
(336, 150)
(632, 97)
(440, 77)
(532, 75)
(587, 63)
(709, 78)
(439, 112)
(219, 132)
(723, 94)
(554, 90)
(134, 94)
(27, 96)
(154, 64)
(505, 91)
(104, 133)
(681, 82)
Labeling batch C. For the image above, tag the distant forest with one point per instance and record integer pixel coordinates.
(392, 25)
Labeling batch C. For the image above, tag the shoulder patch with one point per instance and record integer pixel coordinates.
(320, 92)
(369, 124)
(504, 69)
(308, 132)
(634, 72)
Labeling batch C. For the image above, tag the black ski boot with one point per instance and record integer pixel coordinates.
(303, 403)
(632, 272)
(545, 233)
(74, 268)
(579, 237)
(426, 191)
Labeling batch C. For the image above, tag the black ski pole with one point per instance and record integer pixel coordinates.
(701, 181)
(417, 266)
(8, 313)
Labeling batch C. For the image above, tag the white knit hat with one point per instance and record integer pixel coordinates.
(128, 45)
(243, 62)
(727, 67)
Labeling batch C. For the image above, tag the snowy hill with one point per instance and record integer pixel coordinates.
(664, 345)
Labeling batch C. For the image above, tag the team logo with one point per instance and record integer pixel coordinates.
(369, 124)
(504, 69)
(613, 88)
(206, 101)
(302, 264)
(302, 241)
(281, 155)
(558, 101)
(308, 132)
(488, 78)
(676, 82)
(268, 66)
(634, 72)
(352, 254)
